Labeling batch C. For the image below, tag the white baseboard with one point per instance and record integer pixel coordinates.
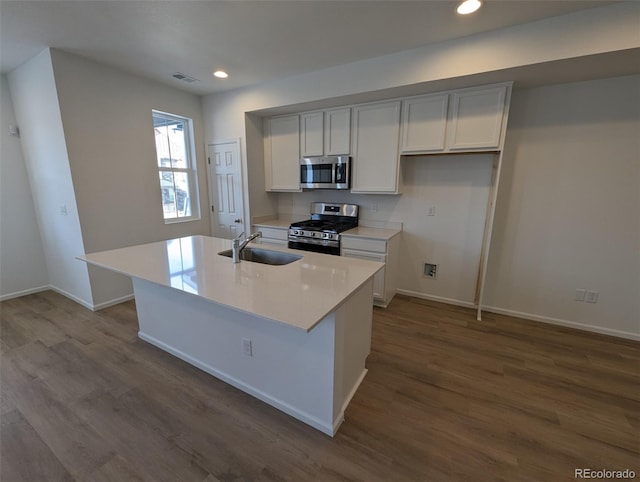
(66, 294)
(560, 322)
(527, 316)
(30, 291)
(439, 299)
(115, 301)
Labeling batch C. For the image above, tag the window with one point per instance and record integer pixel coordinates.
(176, 167)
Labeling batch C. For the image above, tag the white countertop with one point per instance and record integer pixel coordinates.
(372, 233)
(361, 231)
(276, 223)
(299, 294)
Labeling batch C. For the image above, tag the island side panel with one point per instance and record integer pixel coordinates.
(290, 369)
(353, 344)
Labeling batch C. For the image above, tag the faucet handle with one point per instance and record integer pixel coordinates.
(240, 236)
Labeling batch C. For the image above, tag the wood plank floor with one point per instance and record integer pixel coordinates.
(446, 398)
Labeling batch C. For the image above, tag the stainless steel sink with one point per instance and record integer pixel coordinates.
(264, 256)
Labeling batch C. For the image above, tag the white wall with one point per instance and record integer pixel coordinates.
(109, 135)
(452, 237)
(568, 207)
(611, 29)
(33, 90)
(23, 268)
(457, 186)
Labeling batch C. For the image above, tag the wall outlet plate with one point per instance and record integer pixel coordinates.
(580, 294)
(247, 348)
(592, 297)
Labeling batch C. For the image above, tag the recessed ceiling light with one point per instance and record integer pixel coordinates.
(221, 74)
(468, 6)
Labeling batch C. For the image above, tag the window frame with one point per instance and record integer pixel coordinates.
(191, 170)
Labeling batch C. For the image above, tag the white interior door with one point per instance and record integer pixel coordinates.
(225, 189)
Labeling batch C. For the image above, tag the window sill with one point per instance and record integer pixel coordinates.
(182, 220)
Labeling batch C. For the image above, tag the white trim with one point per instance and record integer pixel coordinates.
(30, 291)
(64, 293)
(353, 391)
(439, 299)
(212, 188)
(567, 323)
(86, 304)
(115, 301)
(239, 384)
(528, 316)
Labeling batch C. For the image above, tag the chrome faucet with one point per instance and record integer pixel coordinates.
(238, 244)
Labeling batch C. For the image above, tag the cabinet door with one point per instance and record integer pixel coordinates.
(337, 132)
(476, 119)
(282, 153)
(378, 278)
(424, 121)
(376, 133)
(311, 134)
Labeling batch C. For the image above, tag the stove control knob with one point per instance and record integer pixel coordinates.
(327, 235)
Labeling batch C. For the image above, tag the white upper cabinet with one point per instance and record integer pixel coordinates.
(312, 134)
(376, 135)
(325, 133)
(476, 119)
(424, 121)
(337, 132)
(282, 153)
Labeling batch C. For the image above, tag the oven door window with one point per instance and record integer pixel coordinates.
(316, 174)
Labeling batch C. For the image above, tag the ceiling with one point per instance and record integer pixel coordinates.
(255, 41)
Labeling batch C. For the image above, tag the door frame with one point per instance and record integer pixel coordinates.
(212, 189)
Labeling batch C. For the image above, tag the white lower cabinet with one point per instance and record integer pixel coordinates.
(378, 279)
(380, 250)
(279, 236)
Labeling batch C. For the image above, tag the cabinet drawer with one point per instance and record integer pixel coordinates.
(364, 244)
(349, 253)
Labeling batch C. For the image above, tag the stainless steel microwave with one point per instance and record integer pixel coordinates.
(329, 172)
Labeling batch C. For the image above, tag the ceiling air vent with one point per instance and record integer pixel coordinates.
(185, 77)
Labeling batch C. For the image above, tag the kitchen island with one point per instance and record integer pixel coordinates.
(295, 336)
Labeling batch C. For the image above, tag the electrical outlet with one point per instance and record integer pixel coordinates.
(430, 270)
(431, 211)
(247, 348)
(374, 207)
(592, 297)
(580, 294)
(63, 210)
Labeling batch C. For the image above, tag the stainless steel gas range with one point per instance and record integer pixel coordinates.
(321, 233)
